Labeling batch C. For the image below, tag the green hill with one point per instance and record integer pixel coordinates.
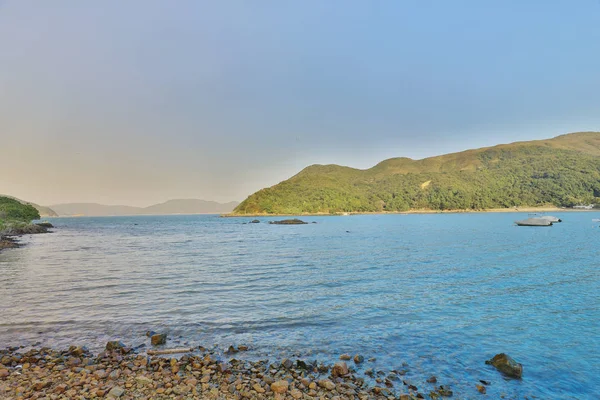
(562, 171)
(44, 211)
(13, 212)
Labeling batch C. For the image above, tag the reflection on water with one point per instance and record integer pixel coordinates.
(439, 292)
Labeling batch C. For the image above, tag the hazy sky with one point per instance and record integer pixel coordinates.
(136, 102)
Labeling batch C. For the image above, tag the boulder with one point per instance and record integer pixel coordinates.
(287, 363)
(505, 364)
(114, 345)
(158, 339)
(339, 369)
(358, 359)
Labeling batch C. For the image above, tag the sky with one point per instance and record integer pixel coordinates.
(136, 102)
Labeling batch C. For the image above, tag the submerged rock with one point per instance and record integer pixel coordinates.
(505, 364)
(255, 221)
(158, 338)
(294, 221)
(358, 359)
(114, 345)
(345, 357)
(232, 350)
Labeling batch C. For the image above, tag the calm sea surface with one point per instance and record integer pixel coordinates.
(442, 292)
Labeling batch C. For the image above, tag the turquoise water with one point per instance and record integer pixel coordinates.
(441, 293)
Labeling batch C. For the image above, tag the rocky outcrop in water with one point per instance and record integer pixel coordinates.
(505, 364)
(294, 221)
(158, 339)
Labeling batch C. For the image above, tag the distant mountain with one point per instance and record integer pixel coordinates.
(93, 209)
(190, 206)
(178, 206)
(563, 171)
(44, 211)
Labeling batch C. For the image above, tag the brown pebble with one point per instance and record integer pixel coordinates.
(481, 389)
(279, 386)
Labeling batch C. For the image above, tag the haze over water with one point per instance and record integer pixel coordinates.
(442, 293)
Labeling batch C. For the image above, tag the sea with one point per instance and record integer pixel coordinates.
(425, 294)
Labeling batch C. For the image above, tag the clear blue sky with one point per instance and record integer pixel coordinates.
(136, 102)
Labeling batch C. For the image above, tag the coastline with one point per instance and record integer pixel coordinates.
(419, 211)
(10, 240)
(119, 372)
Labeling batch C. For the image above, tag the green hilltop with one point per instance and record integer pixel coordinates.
(13, 214)
(44, 211)
(563, 171)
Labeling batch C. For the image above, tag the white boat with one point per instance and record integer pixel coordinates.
(551, 218)
(534, 222)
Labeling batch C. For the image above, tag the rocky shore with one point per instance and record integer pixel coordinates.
(8, 237)
(120, 373)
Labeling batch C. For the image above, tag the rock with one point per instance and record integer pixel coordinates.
(158, 338)
(432, 379)
(287, 363)
(115, 392)
(100, 374)
(445, 392)
(243, 348)
(358, 359)
(3, 373)
(232, 350)
(481, 389)
(39, 385)
(150, 333)
(45, 224)
(326, 384)
(144, 380)
(296, 394)
(506, 365)
(114, 345)
(255, 221)
(77, 351)
(345, 357)
(294, 221)
(279, 386)
(339, 369)
(258, 388)
(61, 388)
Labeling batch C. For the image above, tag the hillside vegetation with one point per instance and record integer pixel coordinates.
(14, 214)
(44, 211)
(563, 171)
